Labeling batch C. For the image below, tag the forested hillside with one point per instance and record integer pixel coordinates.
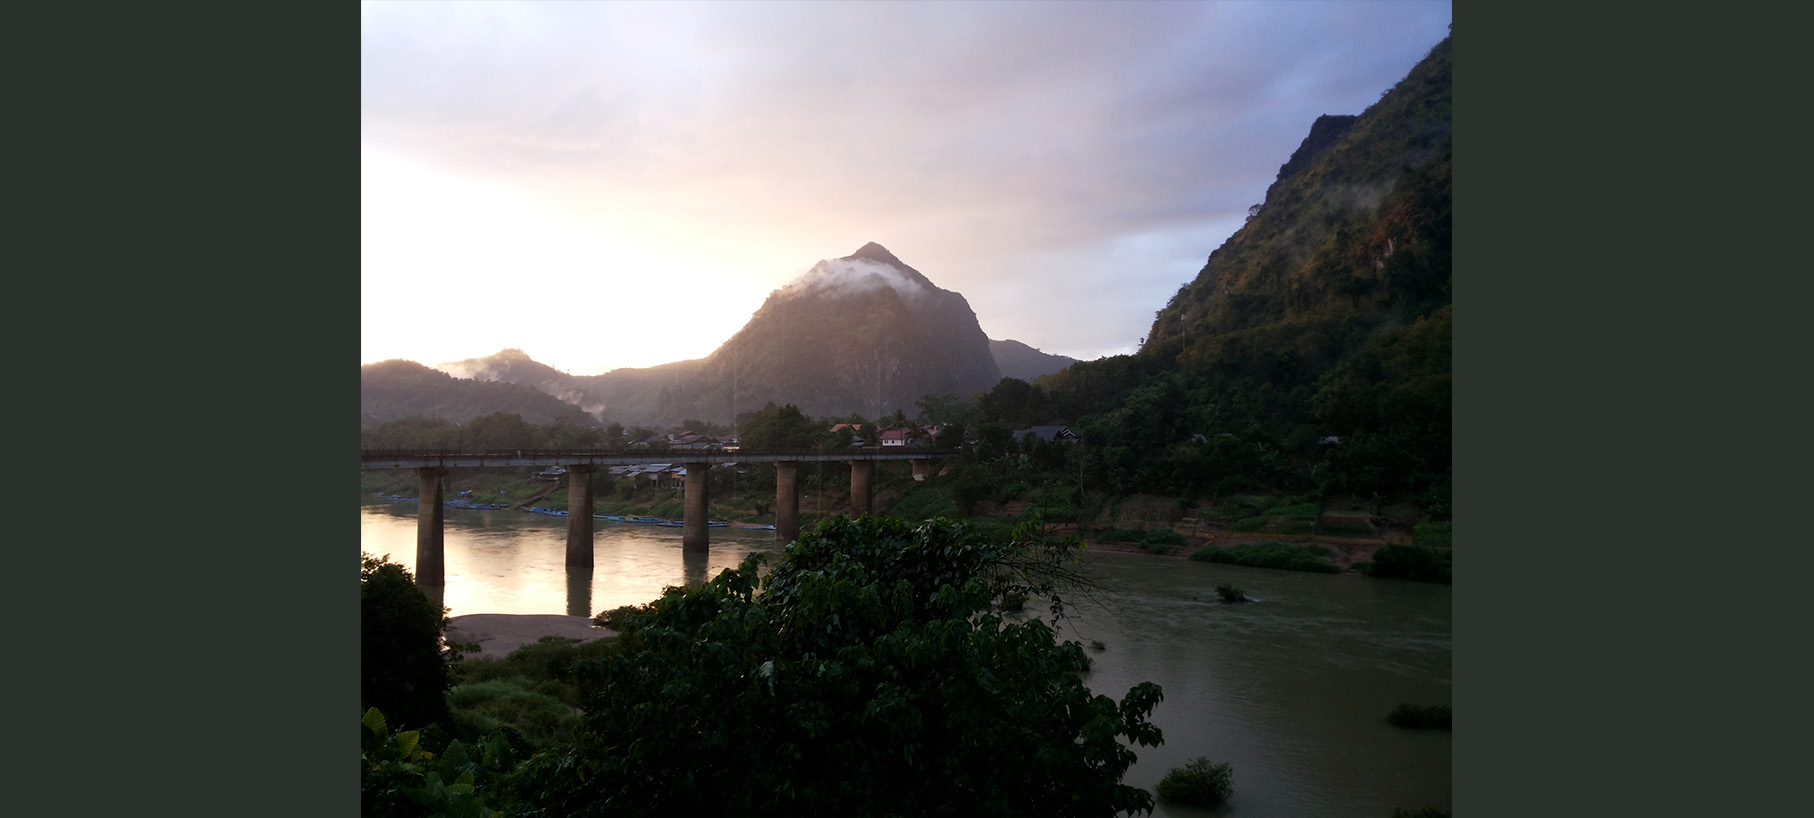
(1312, 351)
(397, 389)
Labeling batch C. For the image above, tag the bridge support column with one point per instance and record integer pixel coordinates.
(431, 550)
(579, 517)
(859, 487)
(922, 469)
(693, 532)
(787, 501)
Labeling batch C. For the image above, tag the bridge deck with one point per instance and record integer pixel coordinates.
(433, 458)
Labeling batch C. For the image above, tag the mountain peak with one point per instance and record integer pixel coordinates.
(876, 252)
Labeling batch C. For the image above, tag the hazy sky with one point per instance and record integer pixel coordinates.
(621, 184)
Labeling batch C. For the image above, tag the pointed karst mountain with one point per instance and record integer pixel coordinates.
(865, 333)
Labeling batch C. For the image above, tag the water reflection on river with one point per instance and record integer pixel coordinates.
(1292, 689)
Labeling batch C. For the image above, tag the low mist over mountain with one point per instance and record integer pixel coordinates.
(395, 389)
(1017, 360)
(515, 366)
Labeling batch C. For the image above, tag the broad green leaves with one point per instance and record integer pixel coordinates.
(870, 675)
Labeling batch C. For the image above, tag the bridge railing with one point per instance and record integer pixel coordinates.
(676, 455)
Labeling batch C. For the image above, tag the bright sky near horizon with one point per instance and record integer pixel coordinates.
(622, 184)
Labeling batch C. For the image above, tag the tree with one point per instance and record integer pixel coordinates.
(1012, 402)
(401, 669)
(870, 676)
(499, 431)
(780, 427)
(943, 408)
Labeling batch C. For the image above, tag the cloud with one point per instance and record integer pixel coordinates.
(854, 276)
(986, 144)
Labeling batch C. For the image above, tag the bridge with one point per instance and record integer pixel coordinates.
(431, 464)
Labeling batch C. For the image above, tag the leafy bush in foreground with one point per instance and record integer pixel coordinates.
(401, 669)
(1285, 556)
(1198, 783)
(870, 676)
(398, 776)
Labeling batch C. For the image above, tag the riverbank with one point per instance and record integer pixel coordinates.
(497, 635)
(1348, 550)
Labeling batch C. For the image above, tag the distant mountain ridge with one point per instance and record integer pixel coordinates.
(1017, 360)
(515, 366)
(396, 389)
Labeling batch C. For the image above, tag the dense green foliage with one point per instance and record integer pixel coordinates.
(783, 427)
(1411, 562)
(1433, 535)
(1198, 783)
(531, 694)
(1434, 717)
(401, 669)
(495, 432)
(1285, 556)
(399, 777)
(870, 676)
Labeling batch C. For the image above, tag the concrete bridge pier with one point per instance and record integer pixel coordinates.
(859, 487)
(579, 517)
(431, 550)
(579, 592)
(787, 501)
(693, 533)
(922, 469)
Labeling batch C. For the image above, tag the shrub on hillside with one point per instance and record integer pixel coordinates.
(1284, 556)
(1432, 535)
(1162, 536)
(1297, 511)
(1250, 524)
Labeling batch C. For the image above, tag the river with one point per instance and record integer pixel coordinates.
(1292, 689)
